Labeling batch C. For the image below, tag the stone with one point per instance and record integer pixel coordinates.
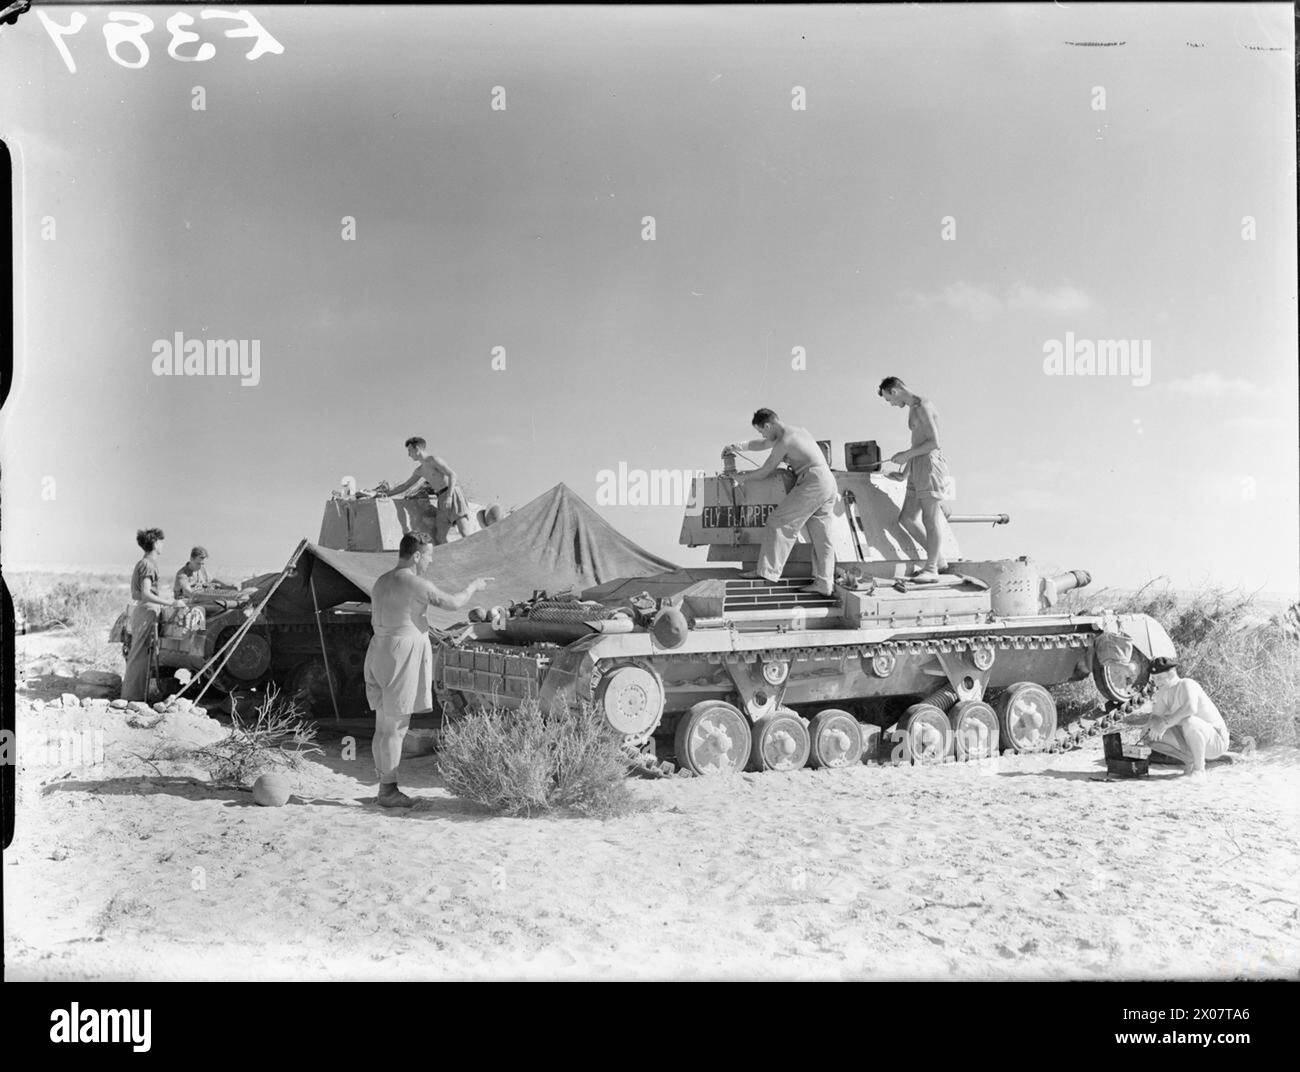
(419, 742)
(68, 699)
(161, 708)
(105, 678)
(182, 704)
(94, 703)
(271, 790)
(141, 706)
(38, 705)
(39, 668)
(119, 703)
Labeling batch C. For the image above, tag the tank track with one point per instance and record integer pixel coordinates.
(652, 767)
(1072, 739)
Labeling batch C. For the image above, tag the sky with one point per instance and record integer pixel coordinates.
(775, 228)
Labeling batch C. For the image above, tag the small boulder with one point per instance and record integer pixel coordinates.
(182, 704)
(119, 703)
(140, 706)
(161, 708)
(106, 678)
(69, 699)
(271, 790)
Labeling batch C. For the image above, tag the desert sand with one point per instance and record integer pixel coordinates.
(1024, 867)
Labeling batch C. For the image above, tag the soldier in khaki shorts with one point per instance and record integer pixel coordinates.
(451, 507)
(929, 484)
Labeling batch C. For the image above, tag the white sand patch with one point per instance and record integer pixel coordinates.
(1027, 868)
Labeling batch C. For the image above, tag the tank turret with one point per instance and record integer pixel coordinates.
(378, 523)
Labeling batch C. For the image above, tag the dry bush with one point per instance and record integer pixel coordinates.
(73, 600)
(1247, 662)
(279, 735)
(519, 761)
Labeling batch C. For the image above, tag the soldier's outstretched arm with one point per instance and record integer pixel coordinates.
(439, 598)
(768, 467)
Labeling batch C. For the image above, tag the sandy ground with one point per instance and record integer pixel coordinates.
(1023, 867)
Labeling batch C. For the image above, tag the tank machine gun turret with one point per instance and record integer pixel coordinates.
(727, 673)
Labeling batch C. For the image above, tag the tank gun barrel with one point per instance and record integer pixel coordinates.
(980, 519)
(1070, 579)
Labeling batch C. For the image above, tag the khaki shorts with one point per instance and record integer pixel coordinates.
(928, 478)
(452, 505)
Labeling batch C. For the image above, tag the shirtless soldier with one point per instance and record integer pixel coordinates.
(810, 502)
(452, 508)
(399, 661)
(929, 485)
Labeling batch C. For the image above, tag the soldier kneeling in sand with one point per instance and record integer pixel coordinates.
(1182, 721)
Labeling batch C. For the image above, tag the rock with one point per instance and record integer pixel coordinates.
(182, 704)
(271, 790)
(105, 678)
(38, 705)
(39, 668)
(419, 742)
(141, 706)
(120, 704)
(94, 703)
(161, 708)
(68, 699)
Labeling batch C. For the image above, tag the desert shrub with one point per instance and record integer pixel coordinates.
(520, 761)
(72, 600)
(1246, 660)
(278, 735)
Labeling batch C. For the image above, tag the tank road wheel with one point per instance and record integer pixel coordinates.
(713, 738)
(974, 730)
(1026, 717)
(835, 739)
(928, 733)
(1121, 682)
(781, 742)
(632, 698)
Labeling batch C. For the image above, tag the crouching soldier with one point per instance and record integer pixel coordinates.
(1181, 720)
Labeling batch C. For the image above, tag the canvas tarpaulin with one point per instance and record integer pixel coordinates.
(556, 542)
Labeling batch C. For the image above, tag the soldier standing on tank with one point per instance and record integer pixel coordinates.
(929, 484)
(810, 502)
(451, 509)
(399, 662)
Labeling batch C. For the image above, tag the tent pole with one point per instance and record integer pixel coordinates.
(329, 678)
(250, 617)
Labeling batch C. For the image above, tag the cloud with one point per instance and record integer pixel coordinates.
(1212, 385)
(1057, 300)
(960, 297)
(982, 304)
